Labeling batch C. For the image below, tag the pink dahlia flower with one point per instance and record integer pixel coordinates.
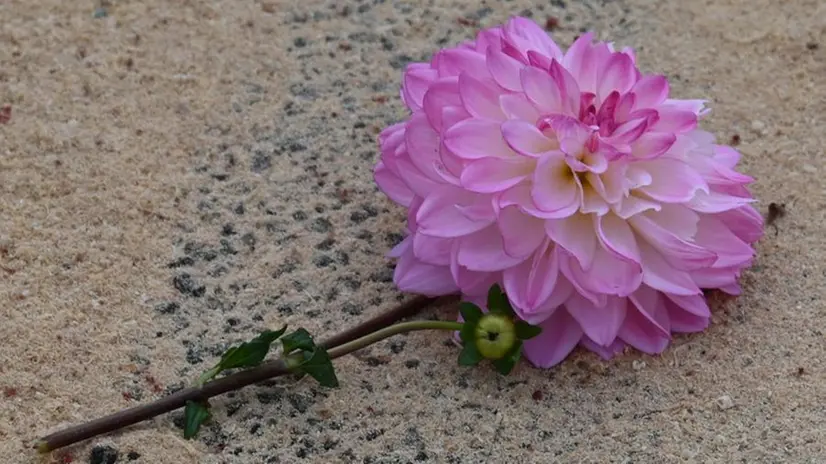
(573, 181)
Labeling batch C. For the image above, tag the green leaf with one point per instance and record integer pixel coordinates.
(298, 340)
(498, 301)
(470, 312)
(319, 366)
(195, 413)
(505, 365)
(469, 356)
(525, 331)
(251, 353)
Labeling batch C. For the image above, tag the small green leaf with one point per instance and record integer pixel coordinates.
(251, 353)
(195, 413)
(298, 340)
(208, 375)
(525, 331)
(505, 365)
(319, 366)
(469, 356)
(470, 312)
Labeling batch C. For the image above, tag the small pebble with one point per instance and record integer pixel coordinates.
(758, 127)
(638, 365)
(725, 402)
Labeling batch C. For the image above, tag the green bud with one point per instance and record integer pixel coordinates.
(495, 335)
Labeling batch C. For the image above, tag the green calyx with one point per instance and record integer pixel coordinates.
(494, 336)
(497, 335)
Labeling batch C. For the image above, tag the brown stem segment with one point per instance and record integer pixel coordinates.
(223, 385)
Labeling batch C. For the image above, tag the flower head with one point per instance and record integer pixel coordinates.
(571, 179)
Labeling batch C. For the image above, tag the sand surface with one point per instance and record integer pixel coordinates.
(177, 176)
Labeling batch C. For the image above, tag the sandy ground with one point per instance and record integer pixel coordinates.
(179, 175)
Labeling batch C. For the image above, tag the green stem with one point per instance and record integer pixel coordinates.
(265, 371)
(386, 332)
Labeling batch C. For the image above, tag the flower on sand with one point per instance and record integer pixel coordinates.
(571, 179)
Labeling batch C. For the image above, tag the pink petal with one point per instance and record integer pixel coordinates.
(694, 304)
(432, 250)
(605, 352)
(420, 184)
(488, 175)
(491, 37)
(618, 74)
(575, 234)
(477, 138)
(600, 324)
(672, 120)
(714, 202)
(639, 332)
(730, 249)
(617, 237)
(525, 35)
(522, 233)
(526, 139)
(569, 90)
(441, 94)
(744, 222)
(480, 99)
(417, 80)
(626, 104)
(529, 284)
(672, 181)
(414, 276)
(538, 60)
(570, 268)
(693, 106)
(611, 183)
(609, 274)
(454, 61)
(632, 205)
(517, 106)
(439, 217)
(593, 202)
(652, 145)
(542, 90)
(555, 188)
(658, 274)
(471, 282)
(677, 252)
(484, 251)
(716, 278)
(423, 145)
(628, 132)
(560, 293)
(650, 91)
(504, 69)
(582, 59)
(560, 335)
(392, 185)
(726, 156)
(685, 322)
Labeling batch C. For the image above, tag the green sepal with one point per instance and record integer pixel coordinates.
(470, 312)
(525, 331)
(498, 301)
(469, 356)
(195, 414)
(505, 365)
